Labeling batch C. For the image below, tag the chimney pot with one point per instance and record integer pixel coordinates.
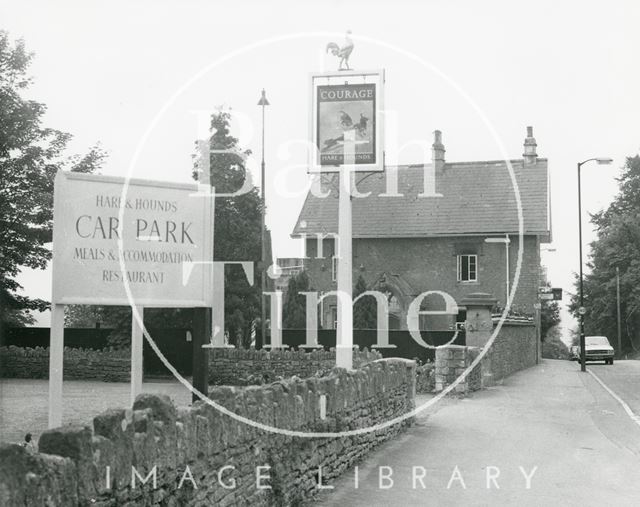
(530, 155)
(437, 148)
(437, 157)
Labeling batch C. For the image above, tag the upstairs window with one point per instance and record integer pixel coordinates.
(467, 268)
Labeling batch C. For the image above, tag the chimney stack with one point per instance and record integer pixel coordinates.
(530, 155)
(437, 152)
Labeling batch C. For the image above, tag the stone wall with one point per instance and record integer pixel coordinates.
(250, 366)
(514, 349)
(223, 455)
(79, 364)
(452, 361)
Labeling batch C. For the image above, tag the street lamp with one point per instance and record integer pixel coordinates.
(582, 310)
(263, 102)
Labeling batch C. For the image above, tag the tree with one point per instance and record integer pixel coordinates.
(238, 225)
(553, 347)
(365, 310)
(295, 306)
(617, 245)
(30, 156)
(549, 314)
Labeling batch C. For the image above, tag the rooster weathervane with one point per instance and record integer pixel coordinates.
(342, 52)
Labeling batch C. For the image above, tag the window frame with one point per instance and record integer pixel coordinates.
(460, 264)
(334, 317)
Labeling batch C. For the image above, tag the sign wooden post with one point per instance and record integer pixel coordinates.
(201, 334)
(203, 317)
(56, 365)
(137, 342)
(344, 333)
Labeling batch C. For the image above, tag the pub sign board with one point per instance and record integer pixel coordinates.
(347, 102)
(164, 231)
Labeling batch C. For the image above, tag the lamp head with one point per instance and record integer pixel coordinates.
(263, 99)
(604, 161)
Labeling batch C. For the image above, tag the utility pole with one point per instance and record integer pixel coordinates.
(263, 239)
(618, 310)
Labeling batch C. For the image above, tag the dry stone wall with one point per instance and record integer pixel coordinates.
(250, 366)
(160, 455)
(79, 364)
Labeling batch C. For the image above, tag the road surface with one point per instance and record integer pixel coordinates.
(550, 435)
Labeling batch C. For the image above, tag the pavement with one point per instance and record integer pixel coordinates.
(551, 423)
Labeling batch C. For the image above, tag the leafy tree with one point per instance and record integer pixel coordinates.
(237, 229)
(30, 156)
(617, 245)
(549, 314)
(553, 347)
(294, 308)
(365, 310)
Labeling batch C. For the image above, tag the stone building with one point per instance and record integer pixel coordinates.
(463, 239)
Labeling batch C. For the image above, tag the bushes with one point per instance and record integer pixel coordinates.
(425, 378)
(553, 347)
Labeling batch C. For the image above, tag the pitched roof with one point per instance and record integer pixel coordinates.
(478, 198)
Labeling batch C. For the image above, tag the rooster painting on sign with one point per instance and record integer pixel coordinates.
(344, 108)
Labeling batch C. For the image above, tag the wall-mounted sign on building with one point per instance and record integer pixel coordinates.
(346, 107)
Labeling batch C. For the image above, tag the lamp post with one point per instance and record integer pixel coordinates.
(618, 312)
(263, 102)
(582, 310)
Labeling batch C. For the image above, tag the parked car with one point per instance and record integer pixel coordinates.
(598, 348)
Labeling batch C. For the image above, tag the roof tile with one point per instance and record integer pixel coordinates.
(477, 197)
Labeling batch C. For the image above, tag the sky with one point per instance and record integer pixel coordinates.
(136, 76)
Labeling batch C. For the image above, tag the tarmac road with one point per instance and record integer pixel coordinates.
(585, 446)
(623, 378)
